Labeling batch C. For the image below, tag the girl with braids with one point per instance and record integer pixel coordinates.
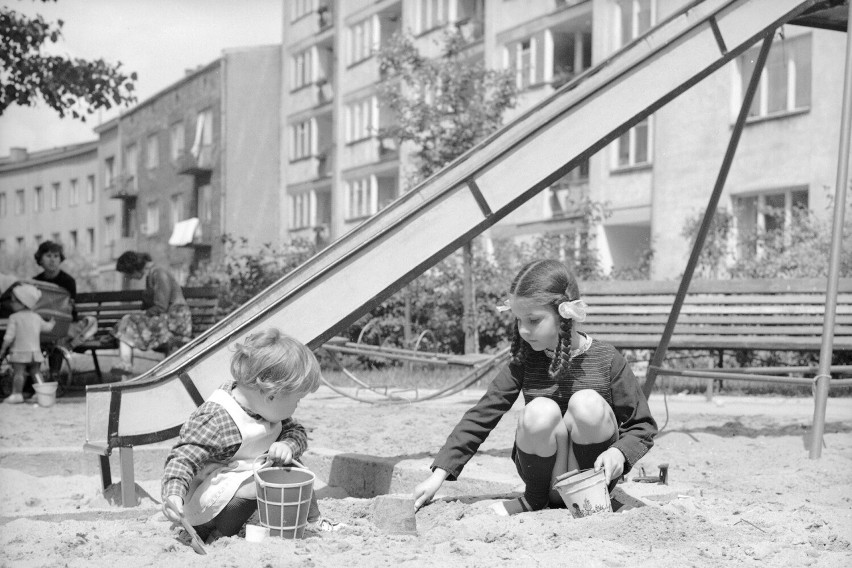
(583, 406)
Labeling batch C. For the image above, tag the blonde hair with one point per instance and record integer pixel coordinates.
(272, 362)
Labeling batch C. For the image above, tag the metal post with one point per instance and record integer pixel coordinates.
(754, 82)
(823, 377)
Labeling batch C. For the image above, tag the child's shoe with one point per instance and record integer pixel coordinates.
(16, 398)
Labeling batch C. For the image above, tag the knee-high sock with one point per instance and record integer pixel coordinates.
(536, 472)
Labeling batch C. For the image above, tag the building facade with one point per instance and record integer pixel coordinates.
(278, 143)
(649, 183)
(171, 176)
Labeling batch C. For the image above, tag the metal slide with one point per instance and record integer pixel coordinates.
(374, 260)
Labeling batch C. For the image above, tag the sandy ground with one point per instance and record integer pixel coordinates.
(742, 491)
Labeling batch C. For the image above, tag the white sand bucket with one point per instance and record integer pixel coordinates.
(584, 492)
(46, 393)
(283, 498)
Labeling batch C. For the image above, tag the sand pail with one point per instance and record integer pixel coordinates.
(45, 393)
(283, 498)
(584, 492)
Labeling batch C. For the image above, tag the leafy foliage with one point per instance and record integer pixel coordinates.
(798, 250)
(243, 272)
(442, 105)
(66, 84)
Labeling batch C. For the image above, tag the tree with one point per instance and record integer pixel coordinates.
(443, 106)
(66, 84)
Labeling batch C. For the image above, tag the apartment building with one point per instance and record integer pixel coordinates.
(171, 176)
(651, 180)
(50, 195)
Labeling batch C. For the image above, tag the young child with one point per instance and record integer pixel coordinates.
(583, 406)
(209, 473)
(22, 339)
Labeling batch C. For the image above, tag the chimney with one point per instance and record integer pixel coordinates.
(18, 154)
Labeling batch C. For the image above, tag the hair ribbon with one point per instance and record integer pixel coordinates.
(575, 310)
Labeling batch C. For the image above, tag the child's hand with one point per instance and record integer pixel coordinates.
(425, 491)
(281, 451)
(612, 461)
(170, 514)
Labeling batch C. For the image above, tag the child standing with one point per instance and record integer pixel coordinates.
(209, 473)
(22, 339)
(583, 406)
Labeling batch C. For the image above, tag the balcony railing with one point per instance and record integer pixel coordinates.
(189, 164)
(123, 186)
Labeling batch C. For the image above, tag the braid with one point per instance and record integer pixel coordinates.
(520, 348)
(559, 365)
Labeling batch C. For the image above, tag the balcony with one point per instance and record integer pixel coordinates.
(190, 164)
(123, 186)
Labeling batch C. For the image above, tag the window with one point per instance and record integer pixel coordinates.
(152, 152)
(109, 171)
(2, 246)
(300, 210)
(300, 9)
(131, 165)
(19, 242)
(785, 84)
(176, 208)
(19, 202)
(768, 214)
(3, 204)
(109, 231)
(128, 218)
(361, 197)
(431, 14)
(73, 192)
(203, 133)
(302, 136)
(90, 240)
(362, 119)
(633, 147)
(55, 238)
(38, 239)
(90, 189)
(176, 141)
(72, 240)
(38, 200)
(55, 196)
(634, 19)
(204, 203)
(152, 218)
(302, 69)
(363, 39)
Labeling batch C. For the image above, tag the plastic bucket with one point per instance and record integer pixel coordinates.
(283, 499)
(585, 493)
(45, 393)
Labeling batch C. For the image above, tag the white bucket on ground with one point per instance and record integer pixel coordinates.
(46, 393)
(283, 499)
(585, 493)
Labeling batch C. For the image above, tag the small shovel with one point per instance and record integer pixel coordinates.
(195, 540)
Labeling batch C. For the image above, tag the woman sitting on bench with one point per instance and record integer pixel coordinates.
(166, 322)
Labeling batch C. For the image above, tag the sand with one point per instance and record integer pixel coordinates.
(742, 491)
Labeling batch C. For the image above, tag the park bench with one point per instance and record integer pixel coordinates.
(109, 307)
(718, 315)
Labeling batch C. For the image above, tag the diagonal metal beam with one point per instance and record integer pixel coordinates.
(754, 82)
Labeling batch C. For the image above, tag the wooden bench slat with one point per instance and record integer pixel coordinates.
(839, 331)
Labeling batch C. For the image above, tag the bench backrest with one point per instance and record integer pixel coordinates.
(718, 314)
(108, 307)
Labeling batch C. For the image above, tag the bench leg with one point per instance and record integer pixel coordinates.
(106, 472)
(128, 481)
(97, 366)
